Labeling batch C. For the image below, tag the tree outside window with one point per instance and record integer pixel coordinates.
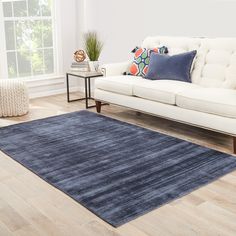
(29, 37)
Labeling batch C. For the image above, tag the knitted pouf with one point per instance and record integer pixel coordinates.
(14, 98)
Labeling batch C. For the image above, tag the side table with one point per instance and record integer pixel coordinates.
(87, 85)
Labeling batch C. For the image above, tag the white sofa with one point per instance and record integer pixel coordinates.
(208, 102)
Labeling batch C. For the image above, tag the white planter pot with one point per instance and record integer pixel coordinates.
(93, 65)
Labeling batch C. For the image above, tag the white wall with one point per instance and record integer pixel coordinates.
(123, 24)
(69, 24)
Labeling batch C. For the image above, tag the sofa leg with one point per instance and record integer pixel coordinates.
(234, 145)
(98, 106)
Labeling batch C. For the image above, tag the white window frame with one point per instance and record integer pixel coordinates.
(56, 47)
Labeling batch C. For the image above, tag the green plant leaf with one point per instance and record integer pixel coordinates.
(93, 46)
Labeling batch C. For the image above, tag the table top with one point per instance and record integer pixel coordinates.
(85, 74)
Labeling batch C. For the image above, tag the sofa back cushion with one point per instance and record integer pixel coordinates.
(175, 45)
(215, 63)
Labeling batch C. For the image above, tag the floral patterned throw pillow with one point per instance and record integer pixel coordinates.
(140, 64)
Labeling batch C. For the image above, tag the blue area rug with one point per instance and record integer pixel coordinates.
(116, 170)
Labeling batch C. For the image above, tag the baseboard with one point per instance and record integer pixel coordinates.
(36, 83)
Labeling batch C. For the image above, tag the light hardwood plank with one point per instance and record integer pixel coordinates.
(11, 219)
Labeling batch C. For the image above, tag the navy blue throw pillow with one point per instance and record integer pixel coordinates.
(176, 67)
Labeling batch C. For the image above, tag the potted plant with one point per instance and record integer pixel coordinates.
(93, 48)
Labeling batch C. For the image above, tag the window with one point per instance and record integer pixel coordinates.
(29, 49)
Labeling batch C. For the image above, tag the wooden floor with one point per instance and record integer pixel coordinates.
(29, 206)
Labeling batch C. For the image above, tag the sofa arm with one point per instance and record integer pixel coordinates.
(115, 68)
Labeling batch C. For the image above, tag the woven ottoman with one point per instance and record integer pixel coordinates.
(14, 98)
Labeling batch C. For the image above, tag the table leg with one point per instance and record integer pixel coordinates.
(68, 89)
(86, 92)
(89, 87)
(234, 145)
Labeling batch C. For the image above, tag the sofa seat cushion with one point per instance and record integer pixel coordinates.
(119, 84)
(163, 91)
(215, 101)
